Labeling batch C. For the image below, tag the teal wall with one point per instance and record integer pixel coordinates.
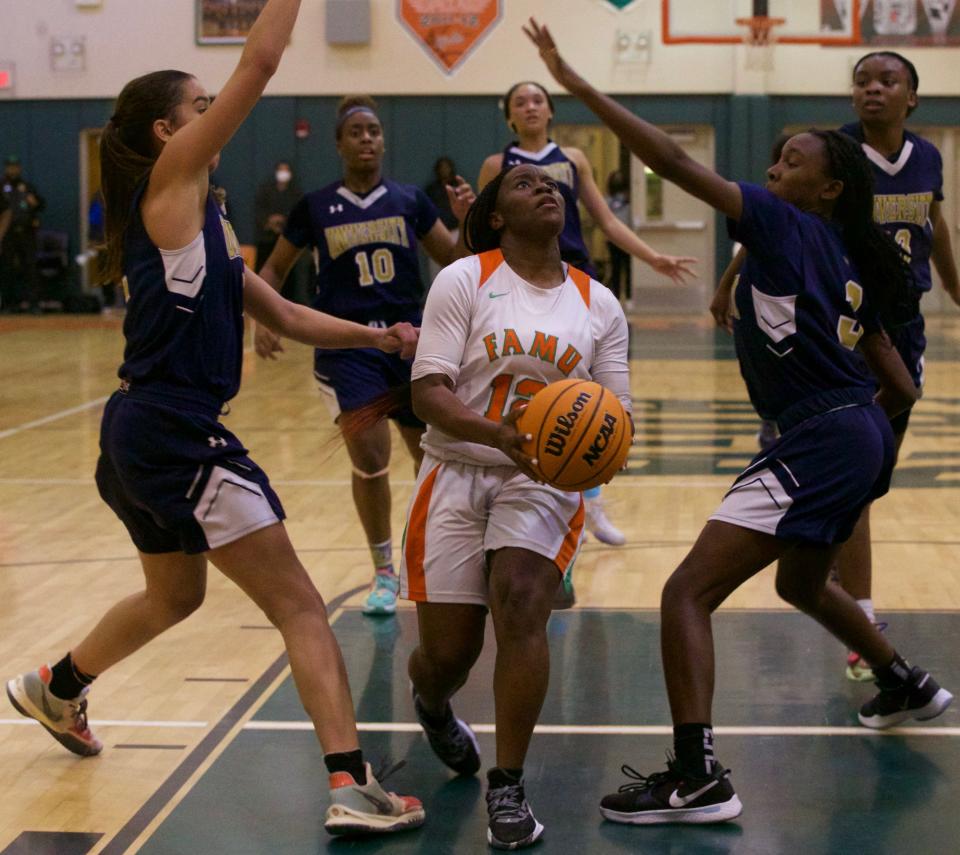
(419, 129)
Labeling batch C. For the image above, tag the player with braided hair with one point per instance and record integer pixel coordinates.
(808, 297)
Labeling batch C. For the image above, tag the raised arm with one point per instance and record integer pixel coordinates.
(650, 144)
(191, 149)
(439, 243)
(676, 267)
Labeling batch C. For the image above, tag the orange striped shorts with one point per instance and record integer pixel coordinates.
(460, 512)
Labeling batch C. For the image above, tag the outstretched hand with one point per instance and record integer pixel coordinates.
(677, 267)
(400, 338)
(556, 65)
(461, 197)
(510, 441)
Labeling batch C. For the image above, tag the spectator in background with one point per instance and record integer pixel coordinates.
(444, 173)
(275, 200)
(18, 255)
(618, 199)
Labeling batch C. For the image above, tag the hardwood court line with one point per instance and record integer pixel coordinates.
(628, 729)
(53, 417)
(114, 722)
(177, 784)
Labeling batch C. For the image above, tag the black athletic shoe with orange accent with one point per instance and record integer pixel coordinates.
(672, 796)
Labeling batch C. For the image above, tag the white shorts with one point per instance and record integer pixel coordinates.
(460, 512)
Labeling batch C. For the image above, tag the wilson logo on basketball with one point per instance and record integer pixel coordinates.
(601, 440)
(557, 440)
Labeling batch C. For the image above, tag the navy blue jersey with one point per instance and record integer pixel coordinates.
(561, 169)
(184, 323)
(904, 188)
(800, 309)
(368, 269)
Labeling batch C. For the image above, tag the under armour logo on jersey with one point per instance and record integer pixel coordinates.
(336, 209)
(217, 441)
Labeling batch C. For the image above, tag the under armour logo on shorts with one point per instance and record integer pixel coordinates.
(216, 441)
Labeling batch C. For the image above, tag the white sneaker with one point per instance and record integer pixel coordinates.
(599, 525)
(368, 808)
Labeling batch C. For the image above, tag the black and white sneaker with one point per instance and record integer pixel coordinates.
(672, 796)
(452, 741)
(920, 697)
(512, 824)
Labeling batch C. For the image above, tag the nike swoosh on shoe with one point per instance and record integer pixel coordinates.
(678, 801)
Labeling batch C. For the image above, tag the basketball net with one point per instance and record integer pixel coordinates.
(760, 39)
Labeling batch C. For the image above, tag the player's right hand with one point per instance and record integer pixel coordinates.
(266, 343)
(510, 441)
(400, 338)
(721, 307)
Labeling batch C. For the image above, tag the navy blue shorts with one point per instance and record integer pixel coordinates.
(910, 342)
(814, 481)
(177, 478)
(358, 376)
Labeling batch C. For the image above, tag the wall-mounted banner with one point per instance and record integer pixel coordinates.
(903, 23)
(618, 4)
(449, 30)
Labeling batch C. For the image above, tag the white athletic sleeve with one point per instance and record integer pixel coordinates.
(446, 320)
(611, 367)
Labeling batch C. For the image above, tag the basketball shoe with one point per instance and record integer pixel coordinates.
(368, 808)
(511, 824)
(920, 697)
(599, 525)
(66, 721)
(451, 740)
(672, 796)
(382, 599)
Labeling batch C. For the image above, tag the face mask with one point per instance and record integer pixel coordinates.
(283, 176)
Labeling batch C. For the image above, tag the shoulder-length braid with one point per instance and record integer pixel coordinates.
(478, 235)
(128, 153)
(884, 271)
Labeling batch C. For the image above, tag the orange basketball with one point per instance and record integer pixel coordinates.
(581, 434)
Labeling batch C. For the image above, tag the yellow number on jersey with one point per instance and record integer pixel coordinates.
(903, 237)
(377, 266)
(849, 330)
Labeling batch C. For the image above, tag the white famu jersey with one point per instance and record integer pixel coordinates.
(501, 339)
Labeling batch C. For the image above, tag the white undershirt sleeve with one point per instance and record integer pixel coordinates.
(446, 320)
(611, 367)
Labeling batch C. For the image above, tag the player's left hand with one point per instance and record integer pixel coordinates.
(461, 197)
(677, 267)
(556, 65)
(400, 338)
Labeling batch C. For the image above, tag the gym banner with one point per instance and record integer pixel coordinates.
(900, 23)
(619, 4)
(449, 30)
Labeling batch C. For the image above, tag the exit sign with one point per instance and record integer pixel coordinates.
(7, 79)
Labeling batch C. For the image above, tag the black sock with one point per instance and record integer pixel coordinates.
(498, 777)
(68, 681)
(893, 675)
(693, 744)
(348, 761)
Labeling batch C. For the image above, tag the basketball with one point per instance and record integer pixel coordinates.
(581, 434)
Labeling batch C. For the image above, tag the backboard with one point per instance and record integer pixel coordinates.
(820, 22)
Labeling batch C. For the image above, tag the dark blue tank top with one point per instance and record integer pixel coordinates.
(561, 169)
(184, 323)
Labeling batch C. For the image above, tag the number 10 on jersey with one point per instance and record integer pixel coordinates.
(376, 266)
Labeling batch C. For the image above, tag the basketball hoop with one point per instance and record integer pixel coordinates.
(759, 39)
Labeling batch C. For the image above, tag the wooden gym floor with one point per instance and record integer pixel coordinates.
(208, 751)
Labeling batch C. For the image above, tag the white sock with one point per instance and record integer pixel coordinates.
(866, 607)
(382, 554)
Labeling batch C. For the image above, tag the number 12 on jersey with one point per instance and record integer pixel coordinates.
(376, 266)
(501, 387)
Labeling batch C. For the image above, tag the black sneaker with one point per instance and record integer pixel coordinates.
(672, 796)
(453, 741)
(512, 824)
(920, 698)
